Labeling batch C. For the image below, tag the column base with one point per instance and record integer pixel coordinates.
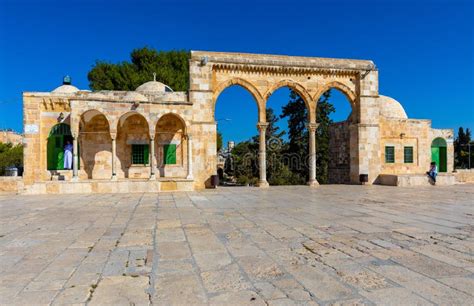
(263, 184)
(313, 183)
(189, 177)
(75, 179)
(152, 177)
(114, 177)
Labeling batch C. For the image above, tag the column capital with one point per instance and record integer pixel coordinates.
(113, 135)
(312, 127)
(189, 136)
(262, 126)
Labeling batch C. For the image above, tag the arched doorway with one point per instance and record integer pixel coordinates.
(439, 154)
(96, 145)
(58, 136)
(171, 146)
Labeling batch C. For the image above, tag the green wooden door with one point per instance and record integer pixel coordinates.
(435, 155)
(56, 153)
(443, 163)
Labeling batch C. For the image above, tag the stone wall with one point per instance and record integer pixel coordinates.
(339, 153)
(464, 175)
(10, 137)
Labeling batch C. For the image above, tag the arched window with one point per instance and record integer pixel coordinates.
(58, 136)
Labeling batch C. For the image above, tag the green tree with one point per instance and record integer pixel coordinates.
(461, 149)
(323, 112)
(297, 115)
(10, 155)
(171, 68)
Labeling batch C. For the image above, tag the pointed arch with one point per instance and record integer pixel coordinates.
(175, 115)
(350, 95)
(299, 89)
(247, 86)
(89, 115)
(120, 121)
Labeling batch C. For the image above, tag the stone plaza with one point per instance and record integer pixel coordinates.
(333, 245)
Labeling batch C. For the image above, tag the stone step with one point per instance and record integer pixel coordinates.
(406, 180)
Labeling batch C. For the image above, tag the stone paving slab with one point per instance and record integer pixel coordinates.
(332, 245)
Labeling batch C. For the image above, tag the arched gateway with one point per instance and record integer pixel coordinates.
(154, 139)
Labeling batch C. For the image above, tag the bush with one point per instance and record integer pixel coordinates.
(10, 155)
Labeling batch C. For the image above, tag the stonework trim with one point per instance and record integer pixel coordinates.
(247, 86)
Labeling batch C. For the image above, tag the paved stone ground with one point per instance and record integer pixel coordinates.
(336, 245)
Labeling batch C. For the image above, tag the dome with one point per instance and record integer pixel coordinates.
(391, 108)
(153, 87)
(66, 89)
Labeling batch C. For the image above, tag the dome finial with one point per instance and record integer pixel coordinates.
(154, 76)
(67, 80)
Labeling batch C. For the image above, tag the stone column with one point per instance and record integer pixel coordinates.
(75, 160)
(312, 127)
(152, 158)
(114, 156)
(190, 157)
(262, 155)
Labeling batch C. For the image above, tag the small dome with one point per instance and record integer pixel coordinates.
(66, 89)
(134, 96)
(153, 87)
(391, 108)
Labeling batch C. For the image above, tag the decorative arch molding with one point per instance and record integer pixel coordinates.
(84, 116)
(299, 89)
(247, 86)
(119, 121)
(177, 116)
(350, 95)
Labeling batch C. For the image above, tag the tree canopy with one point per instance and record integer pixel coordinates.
(171, 68)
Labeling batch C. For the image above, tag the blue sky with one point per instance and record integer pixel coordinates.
(423, 49)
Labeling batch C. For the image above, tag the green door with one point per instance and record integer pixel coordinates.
(435, 155)
(443, 159)
(439, 154)
(55, 147)
(56, 153)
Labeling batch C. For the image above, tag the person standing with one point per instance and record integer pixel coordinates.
(68, 155)
(433, 172)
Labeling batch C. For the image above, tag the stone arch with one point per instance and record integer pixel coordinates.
(175, 114)
(91, 113)
(94, 145)
(121, 120)
(171, 145)
(133, 139)
(350, 95)
(299, 89)
(247, 86)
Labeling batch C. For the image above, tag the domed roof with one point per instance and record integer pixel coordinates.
(391, 108)
(66, 89)
(153, 87)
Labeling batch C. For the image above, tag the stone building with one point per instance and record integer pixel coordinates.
(155, 139)
(9, 136)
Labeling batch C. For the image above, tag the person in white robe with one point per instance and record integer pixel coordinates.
(68, 155)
